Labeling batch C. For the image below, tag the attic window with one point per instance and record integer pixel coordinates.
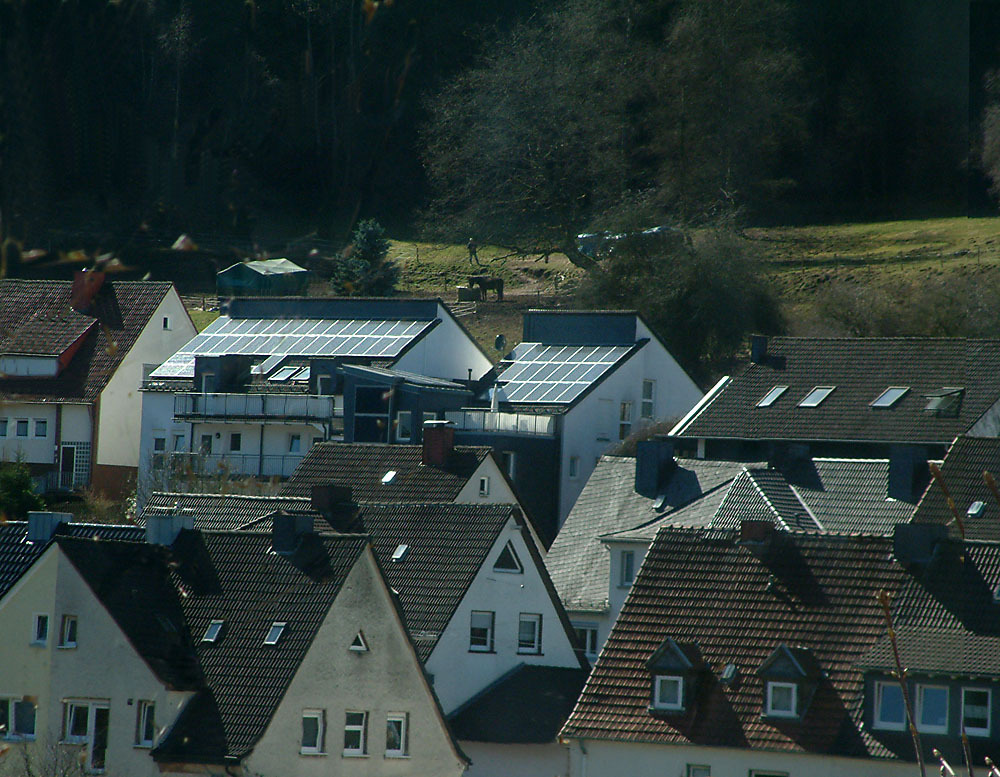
(400, 553)
(388, 477)
(668, 693)
(782, 700)
(360, 644)
(212, 632)
(508, 561)
(772, 396)
(890, 396)
(944, 402)
(277, 628)
(816, 396)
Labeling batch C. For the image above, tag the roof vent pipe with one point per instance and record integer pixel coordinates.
(42, 525)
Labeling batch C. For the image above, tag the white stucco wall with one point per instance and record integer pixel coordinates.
(77, 423)
(119, 421)
(458, 673)
(493, 760)
(30, 449)
(446, 352)
(386, 679)
(614, 759)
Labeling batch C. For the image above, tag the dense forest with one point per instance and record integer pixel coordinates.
(520, 119)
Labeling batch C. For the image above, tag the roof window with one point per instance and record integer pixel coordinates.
(945, 401)
(816, 396)
(400, 553)
(274, 634)
(890, 396)
(772, 396)
(212, 632)
(388, 477)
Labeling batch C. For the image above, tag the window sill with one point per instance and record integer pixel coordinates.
(143, 746)
(932, 730)
(530, 653)
(311, 753)
(355, 755)
(38, 643)
(477, 650)
(982, 733)
(397, 755)
(888, 727)
(67, 647)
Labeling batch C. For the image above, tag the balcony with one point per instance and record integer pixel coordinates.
(257, 407)
(502, 423)
(181, 465)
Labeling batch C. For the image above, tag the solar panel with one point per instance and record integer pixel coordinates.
(555, 373)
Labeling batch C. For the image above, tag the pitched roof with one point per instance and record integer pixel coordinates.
(578, 563)
(701, 586)
(36, 317)
(362, 466)
(499, 713)
(234, 577)
(222, 512)
(860, 369)
(962, 471)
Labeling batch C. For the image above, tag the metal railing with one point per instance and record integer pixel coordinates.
(181, 464)
(299, 407)
(502, 423)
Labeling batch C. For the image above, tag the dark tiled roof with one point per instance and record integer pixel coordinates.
(222, 512)
(363, 465)
(236, 578)
(861, 369)
(17, 554)
(528, 705)
(702, 587)
(577, 561)
(841, 496)
(40, 312)
(962, 470)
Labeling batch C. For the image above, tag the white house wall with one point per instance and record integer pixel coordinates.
(458, 673)
(76, 424)
(386, 679)
(30, 449)
(120, 402)
(495, 760)
(500, 492)
(446, 352)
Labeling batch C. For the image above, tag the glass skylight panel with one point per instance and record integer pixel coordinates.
(816, 396)
(890, 396)
(212, 632)
(771, 396)
(283, 374)
(274, 633)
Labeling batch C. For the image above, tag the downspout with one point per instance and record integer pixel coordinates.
(260, 453)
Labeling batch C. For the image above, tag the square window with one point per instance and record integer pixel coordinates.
(356, 733)
(274, 633)
(668, 692)
(782, 700)
(40, 630)
(145, 724)
(404, 426)
(932, 709)
(22, 427)
(67, 633)
(235, 441)
(41, 427)
(976, 711)
(481, 632)
(396, 735)
(627, 568)
(529, 633)
(313, 732)
(648, 409)
(159, 444)
(890, 712)
(484, 486)
(17, 718)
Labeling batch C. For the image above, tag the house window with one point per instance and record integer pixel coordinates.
(17, 718)
(932, 709)
(976, 711)
(481, 632)
(759, 773)
(207, 382)
(574, 467)
(816, 396)
(890, 712)
(648, 409)
(41, 427)
(397, 735)
(159, 444)
(212, 632)
(86, 723)
(529, 633)
(294, 443)
(484, 486)
(772, 396)
(509, 460)
(627, 568)
(698, 770)
(324, 385)
(3, 427)
(356, 733)
(782, 700)
(404, 426)
(235, 441)
(508, 560)
(586, 634)
(145, 724)
(625, 420)
(668, 692)
(274, 633)
(22, 427)
(206, 444)
(40, 629)
(67, 634)
(313, 732)
(178, 442)
(166, 322)
(890, 396)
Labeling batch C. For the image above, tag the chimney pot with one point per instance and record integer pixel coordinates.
(758, 348)
(439, 440)
(86, 284)
(654, 463)
(42, 525)
(287, 530)
(335, 503)
(163, 528)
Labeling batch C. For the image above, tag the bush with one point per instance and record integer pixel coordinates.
(17, 492)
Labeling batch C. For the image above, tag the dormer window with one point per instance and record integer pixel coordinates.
(890, 396)
(945, 402)
(772, 396)
(782, 700)
(668, 692)
(976, 711)
(932, 709)
(274, 633)
(674, 669)
(890, 712)
(815, 397)
(790, 676)
(508, 561)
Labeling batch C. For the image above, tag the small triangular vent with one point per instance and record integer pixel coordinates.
(360, 644)
(508, 561)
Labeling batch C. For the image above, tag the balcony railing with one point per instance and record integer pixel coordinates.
(294, 407)
(180, 464)
(502, 423)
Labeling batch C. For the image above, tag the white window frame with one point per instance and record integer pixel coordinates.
(145, 717)
(930, 729)
(213, 631)
(887, 725)
(17, 427)
(361, 728)
(403, 751)
(178, 442)
(535, 648)
(647, 409)
(64, 631)
(816, 396)
(519, 567)
(659, 682)
(44, 424)
(587, 634)
(626, 571)
(774, 712)
(319, 748)
(624, 420)
(889, 397)
(698, 770)
(979, 732)
(36, 619)
(12, 731)
(772, 396)
(92, 705)
(484, 485)
(400, 437)
(509, 460)
(490, 631)
(275, 632)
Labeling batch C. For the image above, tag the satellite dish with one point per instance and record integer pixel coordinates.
(500, 343)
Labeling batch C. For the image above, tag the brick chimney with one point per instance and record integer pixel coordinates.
(439, 440)
(758, 348)
(757, 536)
(86, 284)
(336, 504)
(287, 530)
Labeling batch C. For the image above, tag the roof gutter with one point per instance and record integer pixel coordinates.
(695, 411)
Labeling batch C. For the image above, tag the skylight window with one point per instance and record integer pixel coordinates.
(944, 402)
(388, 477)
(816, 396)
(212, 632)
(400, 553)
(772, 396)
(890, 396)
(277, 628)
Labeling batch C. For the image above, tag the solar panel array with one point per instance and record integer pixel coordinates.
(555, 373)
(295, 337)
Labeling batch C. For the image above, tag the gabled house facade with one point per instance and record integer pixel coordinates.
(73, 355)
